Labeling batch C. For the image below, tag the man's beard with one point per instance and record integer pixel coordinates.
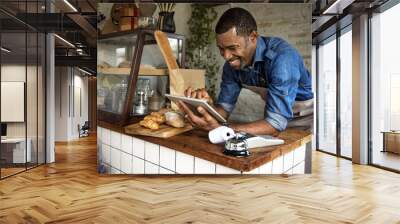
(242, 64)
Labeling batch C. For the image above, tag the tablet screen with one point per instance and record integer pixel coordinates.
(197, 102)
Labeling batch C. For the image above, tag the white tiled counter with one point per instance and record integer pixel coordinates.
(119, 153)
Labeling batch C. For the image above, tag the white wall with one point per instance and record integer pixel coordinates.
(80, 83)
(33, 126)
(14, 73)
(61, 103)
(12, 101)
(69, 85)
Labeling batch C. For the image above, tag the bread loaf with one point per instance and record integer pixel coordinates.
(175, 119)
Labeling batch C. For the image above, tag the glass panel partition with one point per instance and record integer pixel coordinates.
(22, 67)
(327, 96)
(13, 95)
(385, 89)
(346, 94)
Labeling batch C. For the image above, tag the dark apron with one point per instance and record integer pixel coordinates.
(303, 111)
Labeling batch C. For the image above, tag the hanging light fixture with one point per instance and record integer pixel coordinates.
(5, 50)
(84, 71)
(337, 7)
(70, 5)
(64, 40)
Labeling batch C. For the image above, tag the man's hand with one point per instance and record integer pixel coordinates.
(205, 121)
(198, 94)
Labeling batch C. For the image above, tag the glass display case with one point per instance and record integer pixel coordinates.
(132, 76)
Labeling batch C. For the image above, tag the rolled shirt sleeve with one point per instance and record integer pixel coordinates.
(282, 89)
(230, 89)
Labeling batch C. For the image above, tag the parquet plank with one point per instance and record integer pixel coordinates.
(71, 191)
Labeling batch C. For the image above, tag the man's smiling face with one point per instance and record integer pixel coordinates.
(237, 50)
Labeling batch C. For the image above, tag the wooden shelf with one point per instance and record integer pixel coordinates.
(126, 71)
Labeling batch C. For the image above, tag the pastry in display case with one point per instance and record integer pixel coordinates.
(132, 74)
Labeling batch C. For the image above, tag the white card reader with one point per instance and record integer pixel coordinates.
(256, 141)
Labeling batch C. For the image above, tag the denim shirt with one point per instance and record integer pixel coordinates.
(276, 66)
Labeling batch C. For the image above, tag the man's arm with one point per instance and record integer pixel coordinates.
(282, 89)
(221, 111)
(260, 127)
(208, 122)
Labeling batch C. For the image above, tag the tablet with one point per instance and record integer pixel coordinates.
(197, 102)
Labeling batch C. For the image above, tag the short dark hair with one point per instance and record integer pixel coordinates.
(239, 18)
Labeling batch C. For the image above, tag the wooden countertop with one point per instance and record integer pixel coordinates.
(196, 143)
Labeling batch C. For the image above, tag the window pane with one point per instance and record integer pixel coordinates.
(385, 87)
(346, 94)
(41, 98)
(14, 146)
(31, 98)
(327, 97)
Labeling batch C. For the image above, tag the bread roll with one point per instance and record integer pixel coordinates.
(175, 119)
(150, 124)
(160, 119)
(159, 115)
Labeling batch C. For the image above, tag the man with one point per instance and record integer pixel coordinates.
(267, 66)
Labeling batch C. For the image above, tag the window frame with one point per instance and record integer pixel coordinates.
(334, 37)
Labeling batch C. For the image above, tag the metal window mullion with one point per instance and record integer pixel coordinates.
(338, 94)
(37, 91)
(369, 97)
(45, 94)
(317, 97)
(26, 88)
(46, 36)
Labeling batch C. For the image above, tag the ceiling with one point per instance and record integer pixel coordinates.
(39, 6)
(19, 53)
(331, 15)
(77, 26)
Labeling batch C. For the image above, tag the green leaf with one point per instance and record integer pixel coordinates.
(201, 39)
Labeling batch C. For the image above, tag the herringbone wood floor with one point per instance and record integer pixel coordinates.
(71, 191)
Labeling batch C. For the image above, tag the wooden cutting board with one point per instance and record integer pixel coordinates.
(165, 131)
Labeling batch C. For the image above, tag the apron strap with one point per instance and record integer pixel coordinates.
(303, 111)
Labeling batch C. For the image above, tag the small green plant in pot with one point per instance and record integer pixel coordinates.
(199, 52)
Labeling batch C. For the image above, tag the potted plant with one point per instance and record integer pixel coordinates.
(199, 52)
